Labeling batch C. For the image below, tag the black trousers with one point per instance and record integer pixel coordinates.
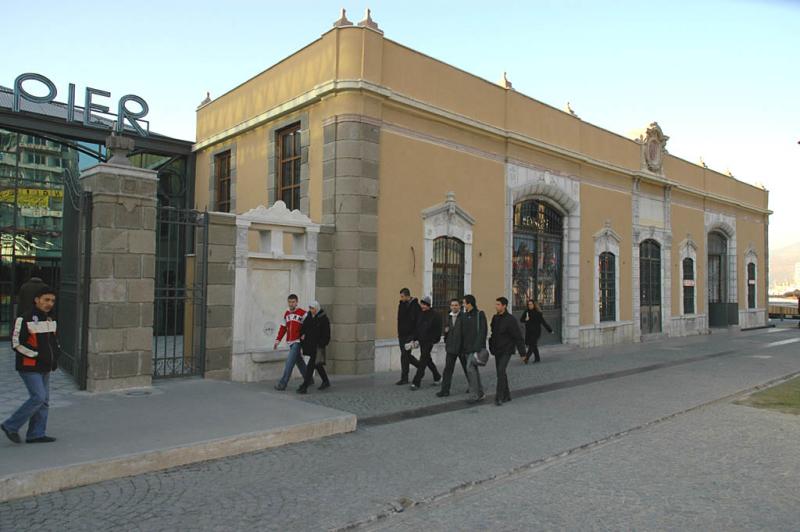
(425, 361)
(308, 378)
(533, 349)
(501, 363)
(450, 367)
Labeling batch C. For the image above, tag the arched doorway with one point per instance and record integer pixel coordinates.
(537, 262)
(650, 286)
(717, 280)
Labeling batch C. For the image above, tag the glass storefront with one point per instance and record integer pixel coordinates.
(38, 175)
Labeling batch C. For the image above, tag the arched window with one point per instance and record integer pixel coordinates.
(751, 285)
(448, 272)
(608, 303)
(688, 286)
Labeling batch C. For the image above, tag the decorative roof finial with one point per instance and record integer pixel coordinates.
(369, 23)
(206, 101)
(571, 111)
(703, 162)
(729, 173)
(342, 20)
(505, 82)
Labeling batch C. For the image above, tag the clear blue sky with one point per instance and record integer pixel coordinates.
(720, 77)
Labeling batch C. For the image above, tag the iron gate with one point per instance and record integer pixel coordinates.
(179, 314)
(73, 294)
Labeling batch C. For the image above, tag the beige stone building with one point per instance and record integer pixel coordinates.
(423, 175)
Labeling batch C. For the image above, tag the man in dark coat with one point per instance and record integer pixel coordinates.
(315, 335)
(428, 333)
(34, 339)
(473, 330)
(452, 345)
(506, 336)
(407, 313)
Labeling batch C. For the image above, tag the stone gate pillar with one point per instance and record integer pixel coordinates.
(122, 273)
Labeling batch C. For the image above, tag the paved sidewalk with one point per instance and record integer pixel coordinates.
(174, 423)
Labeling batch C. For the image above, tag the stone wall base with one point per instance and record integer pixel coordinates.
(110, 385)
(689, 325)
(756, 317)
(258, 366)
(612, 333)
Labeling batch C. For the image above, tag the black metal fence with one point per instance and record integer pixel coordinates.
(180, 293)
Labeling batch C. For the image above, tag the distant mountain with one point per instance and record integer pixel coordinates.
(781, 263)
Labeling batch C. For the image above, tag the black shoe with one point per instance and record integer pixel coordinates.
(537, 360)
(437, 380)
(498, 402)
(324, 386)
(401, 382)
(13, 436)
(302, 390)
(507, 399)
(280, 387)
(442, 394)
(477, 400)
(41, 439)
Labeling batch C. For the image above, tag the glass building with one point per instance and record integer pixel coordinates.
(41, 158)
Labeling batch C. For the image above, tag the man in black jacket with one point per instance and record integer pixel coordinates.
(472, 330)
(506, 335)
(407, 313)
(36, 345)
(452, 345)
(428, 333)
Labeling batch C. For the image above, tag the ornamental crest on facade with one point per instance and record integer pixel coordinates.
(654, 146)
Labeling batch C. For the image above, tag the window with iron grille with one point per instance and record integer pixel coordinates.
(688, 286)
(608, 299)
(751, 285)
(448, 273)
(222, 181)
(288, 166)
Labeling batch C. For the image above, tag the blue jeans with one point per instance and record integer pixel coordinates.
(34, 410)
(295, 358)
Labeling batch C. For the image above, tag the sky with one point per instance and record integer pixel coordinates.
(720, 77)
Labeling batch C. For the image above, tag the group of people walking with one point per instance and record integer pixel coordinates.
(465, 334)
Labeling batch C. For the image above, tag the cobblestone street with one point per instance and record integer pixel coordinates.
(655, 449)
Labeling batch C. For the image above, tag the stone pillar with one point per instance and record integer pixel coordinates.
(122, 275)
(348, 252)
(220, 289)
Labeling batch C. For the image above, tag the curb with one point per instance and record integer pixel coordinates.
(37, 482)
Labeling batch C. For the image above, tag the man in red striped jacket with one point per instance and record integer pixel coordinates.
(36, 345)
(292, 321)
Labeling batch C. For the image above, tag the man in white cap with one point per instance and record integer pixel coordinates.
(315, 335)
